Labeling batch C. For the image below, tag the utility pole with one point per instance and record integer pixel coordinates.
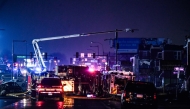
(26, 53)
(12, 73)
(14, 56)
(116, 47)
(188, 61)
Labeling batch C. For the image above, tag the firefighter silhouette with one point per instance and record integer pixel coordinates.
(70, 71)
(33, 88)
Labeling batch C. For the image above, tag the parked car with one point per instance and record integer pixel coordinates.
(50, 88)
(171, 88)
(20, 82)
(10, 87)
(138, 94)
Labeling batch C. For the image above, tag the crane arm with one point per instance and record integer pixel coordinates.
(40, 62)
(57, 37)
(38, 54)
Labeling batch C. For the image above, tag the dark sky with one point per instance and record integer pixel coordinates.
(31, 19)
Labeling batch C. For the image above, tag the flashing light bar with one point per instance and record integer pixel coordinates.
(91, 69)
(178, 68)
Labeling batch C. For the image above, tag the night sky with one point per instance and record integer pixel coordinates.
(31, 19)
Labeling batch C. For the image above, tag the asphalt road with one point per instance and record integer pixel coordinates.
(4, 101)
(75, 102)
(161, 105)
(68, 103)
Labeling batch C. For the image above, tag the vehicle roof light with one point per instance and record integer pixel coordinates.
(38, 69)
(91, 69)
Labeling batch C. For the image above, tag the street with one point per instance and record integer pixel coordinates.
(69, 103)
(75, 102)
(4, 101)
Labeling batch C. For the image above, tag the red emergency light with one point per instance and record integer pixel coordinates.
(91, 70)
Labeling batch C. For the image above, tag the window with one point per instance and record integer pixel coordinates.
(82, 55)
(140, 87)
(51, 81)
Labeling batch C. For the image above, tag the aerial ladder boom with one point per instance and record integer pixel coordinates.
(38, 54)
(40, 62)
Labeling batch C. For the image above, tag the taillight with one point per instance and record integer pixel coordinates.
(155, 96)
(124, 94)
(41, 89)
(39, 86)
(59, 90)
(127, 94)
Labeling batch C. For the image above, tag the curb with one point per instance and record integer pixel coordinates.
(10, 97)
(16, 94)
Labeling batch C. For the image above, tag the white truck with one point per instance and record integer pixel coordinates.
(116, 80)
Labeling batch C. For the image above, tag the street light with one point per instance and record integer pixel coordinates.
(116, 42)
(100, 44)
(97, 47)
(178, 69)
(14, 54)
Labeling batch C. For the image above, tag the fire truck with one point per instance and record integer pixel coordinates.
(114, 81)
(76, 78)
(40, 64)
(40, 67)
